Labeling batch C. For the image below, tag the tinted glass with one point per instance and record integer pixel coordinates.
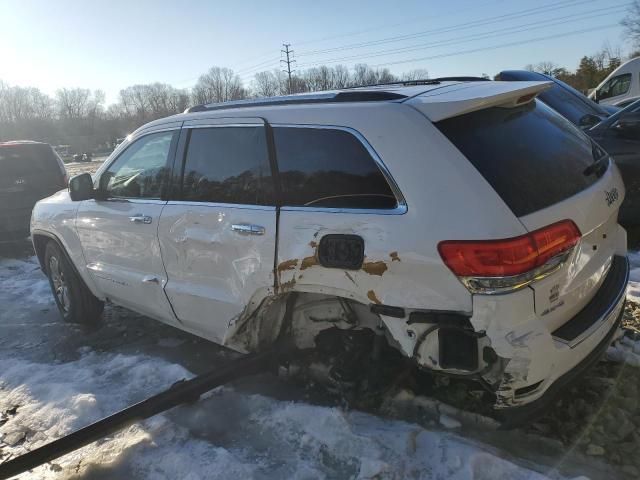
(329, 168)
(616, 86)
(530, 155)
(24, 160)
(563, 98)
(228, 165)
(141, 171)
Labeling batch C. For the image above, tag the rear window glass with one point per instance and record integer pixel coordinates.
(27, 160)
(326, 167)
(530, 155)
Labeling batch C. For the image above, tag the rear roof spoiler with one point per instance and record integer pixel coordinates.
(455, 100)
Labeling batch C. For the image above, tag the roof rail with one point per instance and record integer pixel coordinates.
(326, 97)
(423, 81)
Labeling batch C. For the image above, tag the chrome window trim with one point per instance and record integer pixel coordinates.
(223, 125)
(399, 210)
(401, 207)
(249, 206)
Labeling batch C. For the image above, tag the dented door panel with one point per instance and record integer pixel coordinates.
(212, 269)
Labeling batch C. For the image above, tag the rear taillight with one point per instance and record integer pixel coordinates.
(494, 266)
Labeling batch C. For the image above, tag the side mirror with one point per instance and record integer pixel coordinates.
(81, 187)
(628, 124)
(588, 121)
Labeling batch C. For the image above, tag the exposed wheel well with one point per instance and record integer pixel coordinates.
(39, 245)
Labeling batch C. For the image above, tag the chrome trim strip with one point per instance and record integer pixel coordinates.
(222, 125)
(400, 209)
(516, 282)
(613, 306)
(270, 208)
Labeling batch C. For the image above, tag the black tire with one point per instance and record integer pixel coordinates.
(74, 300)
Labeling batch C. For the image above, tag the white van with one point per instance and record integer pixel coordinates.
(621, 87)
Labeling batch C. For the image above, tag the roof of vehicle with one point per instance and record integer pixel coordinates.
(589, 106)
(463, 94)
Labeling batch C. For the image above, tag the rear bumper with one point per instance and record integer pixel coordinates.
(577, 345)
(14, 224)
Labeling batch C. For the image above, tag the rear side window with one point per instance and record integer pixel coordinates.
(530, 155)
(325, 167)
(228, 165)
(28, 160)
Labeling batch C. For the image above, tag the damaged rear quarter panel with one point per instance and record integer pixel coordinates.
(518, 336)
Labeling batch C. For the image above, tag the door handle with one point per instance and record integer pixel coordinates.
(140, 218)
(150, 279)
(246, 229)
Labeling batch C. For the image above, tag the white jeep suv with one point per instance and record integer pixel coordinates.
(466, 222)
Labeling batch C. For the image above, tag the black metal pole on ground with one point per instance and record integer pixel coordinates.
(181, 392)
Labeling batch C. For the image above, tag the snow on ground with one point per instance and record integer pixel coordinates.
(52, 384)
(60, 379)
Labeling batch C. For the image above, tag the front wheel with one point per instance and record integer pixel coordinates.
(74, 300)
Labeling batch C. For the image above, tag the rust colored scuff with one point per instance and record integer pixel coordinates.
(394, 257)
(371, 295)
(313, 244)
(288, 285)
(374, 268)
(308, 262)
(288, 265)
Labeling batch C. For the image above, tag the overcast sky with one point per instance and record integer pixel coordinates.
(114, 44)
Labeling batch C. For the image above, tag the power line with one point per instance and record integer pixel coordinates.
(288, 52)
(471, 24)
(597, 13)
(386, 25)
(496, 47)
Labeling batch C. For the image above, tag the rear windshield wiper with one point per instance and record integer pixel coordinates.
(600, 164)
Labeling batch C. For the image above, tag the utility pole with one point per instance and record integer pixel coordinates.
(289, 53)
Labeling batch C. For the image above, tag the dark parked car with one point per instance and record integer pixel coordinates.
(564, 99)
(616, 131)
(29, 171)
(619, 135)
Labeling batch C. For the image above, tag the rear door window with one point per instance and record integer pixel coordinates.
(228, 165)
(530, 155)
(329, 167)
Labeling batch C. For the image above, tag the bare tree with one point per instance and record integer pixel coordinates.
(218, 85)
(266, 84)
(631, 23)
(72, 102)
(417, 74)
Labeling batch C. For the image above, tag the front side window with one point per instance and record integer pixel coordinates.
(228, 165)
(325, 167)
(616, 86)
(142, 170)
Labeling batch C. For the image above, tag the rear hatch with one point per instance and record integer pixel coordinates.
(546, 171)
(28, 173)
